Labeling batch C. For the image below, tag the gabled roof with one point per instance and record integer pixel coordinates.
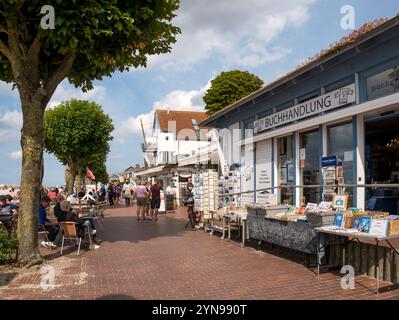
(364, 33)
(183, 120)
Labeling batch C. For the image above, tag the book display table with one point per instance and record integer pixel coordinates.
(324, 239)
(288, 234)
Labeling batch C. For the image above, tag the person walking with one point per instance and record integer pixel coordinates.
(111, 193)
(118, 190)
(141, 196)
(155, 199)
(127, 194)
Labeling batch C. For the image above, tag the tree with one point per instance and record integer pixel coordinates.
(77, 132)
(229, 87)
(90, 40)
(99, 169)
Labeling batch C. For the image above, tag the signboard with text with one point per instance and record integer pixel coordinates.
(326, 102)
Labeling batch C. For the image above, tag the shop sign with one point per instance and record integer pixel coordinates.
(264, 153)
(383, 84)
(329, 161)
(302, 154)
(326, 102)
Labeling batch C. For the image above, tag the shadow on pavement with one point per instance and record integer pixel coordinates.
(116, 297)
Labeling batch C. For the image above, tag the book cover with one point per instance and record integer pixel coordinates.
(364, 224)
(355, 224)
(339, 220)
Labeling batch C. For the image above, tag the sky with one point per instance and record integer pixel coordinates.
(266, 37)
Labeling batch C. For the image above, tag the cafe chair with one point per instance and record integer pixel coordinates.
(69, 231)
(43, 234)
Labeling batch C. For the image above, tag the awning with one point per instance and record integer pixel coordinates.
(150, 171)
(204, 157)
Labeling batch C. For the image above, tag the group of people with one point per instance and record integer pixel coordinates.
(63, 212)
(9, 206)
(148, 200)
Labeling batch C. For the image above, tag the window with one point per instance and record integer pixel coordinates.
(286, 173)
(340, 144)
(248, 128)
(310, 167)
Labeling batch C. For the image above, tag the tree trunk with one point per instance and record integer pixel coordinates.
(32, 157)
(70, 177)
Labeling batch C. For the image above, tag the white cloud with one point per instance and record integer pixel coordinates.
(10, 126)
(6, 89)
(175, 100)
(230, 28)
(98, 95)
(15, 155)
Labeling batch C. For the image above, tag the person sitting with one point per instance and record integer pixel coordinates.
(60, 215)
(8, 212)
(52, 195)
(73, 199)
(82, 223)
(45, 223)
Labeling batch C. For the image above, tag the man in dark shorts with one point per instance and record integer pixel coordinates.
(155, 199)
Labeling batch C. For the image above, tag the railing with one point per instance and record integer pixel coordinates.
(365, 186)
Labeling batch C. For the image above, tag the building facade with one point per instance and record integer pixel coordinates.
(345, 104)
(175, 135)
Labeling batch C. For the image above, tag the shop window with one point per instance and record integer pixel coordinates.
(286, 172)
(265, 114)
(340, 144)
(382, 163)
(248, 129)
(383, 83)
(339, 84)
(310, 166)
(309, 96)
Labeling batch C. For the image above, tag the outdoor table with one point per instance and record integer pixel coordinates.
(220, 215)
(353, 236)
(239, 216)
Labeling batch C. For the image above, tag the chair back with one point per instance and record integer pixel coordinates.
(69, 229)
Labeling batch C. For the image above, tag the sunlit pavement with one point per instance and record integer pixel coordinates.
(162, 260)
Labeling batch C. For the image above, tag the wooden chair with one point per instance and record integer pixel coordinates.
(69, 231)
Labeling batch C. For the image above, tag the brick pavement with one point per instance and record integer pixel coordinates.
(161, 260)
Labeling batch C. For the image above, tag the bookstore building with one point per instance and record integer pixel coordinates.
(339, 110)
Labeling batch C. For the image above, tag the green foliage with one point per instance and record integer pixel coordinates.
(78, 132)
(99, 169)
(8, 246)
(106, 35)
(228, 88)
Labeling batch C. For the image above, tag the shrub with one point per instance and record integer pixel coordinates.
(8, 246)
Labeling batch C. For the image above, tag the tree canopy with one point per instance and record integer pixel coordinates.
(93, 38)
(78, 133)
(229, 87)
(90, 39)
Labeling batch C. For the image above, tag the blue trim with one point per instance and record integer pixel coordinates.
(294, 163)
(254, 153)
(355, 145)
(321, 182)
(273, 163)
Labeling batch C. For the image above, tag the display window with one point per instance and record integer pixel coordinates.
(310, 165)
(382, 162)
(340, 144)
(286, 169)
